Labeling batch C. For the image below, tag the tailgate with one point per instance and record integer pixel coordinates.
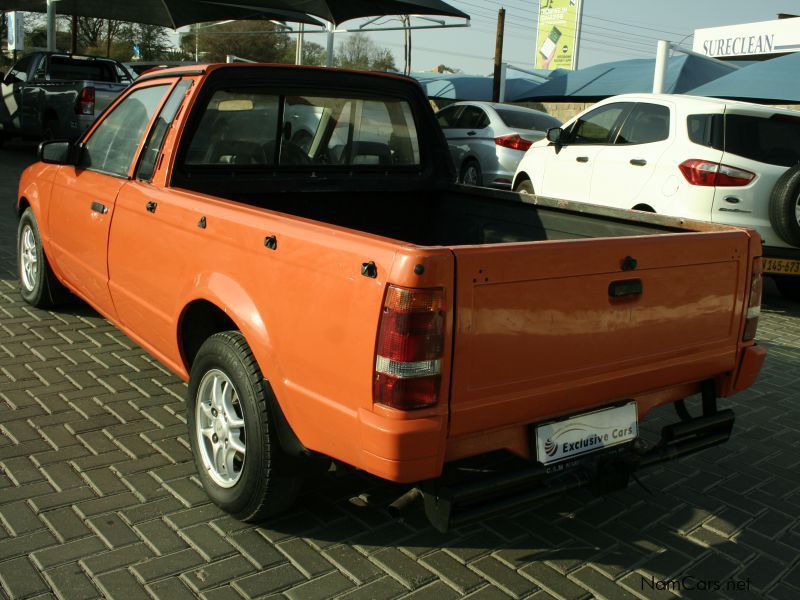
(538, 335)
(105, 94)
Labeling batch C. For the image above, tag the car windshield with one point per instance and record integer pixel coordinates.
(522, 119)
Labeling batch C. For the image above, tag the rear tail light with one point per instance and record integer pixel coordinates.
(84, 105)
(707, 173)
(408, 359)
(754, 302)
(513, 141)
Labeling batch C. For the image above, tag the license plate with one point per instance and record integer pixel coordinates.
(585, 433)
(782, 266)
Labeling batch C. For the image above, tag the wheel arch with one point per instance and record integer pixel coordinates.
(519, 178)
(642, 206)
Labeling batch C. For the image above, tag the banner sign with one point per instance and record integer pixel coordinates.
(557, 34)
(749, 39)
(16, 31)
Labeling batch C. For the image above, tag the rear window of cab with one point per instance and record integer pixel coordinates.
(256, 127)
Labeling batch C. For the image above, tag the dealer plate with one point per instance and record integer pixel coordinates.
(585, 433)
(782, 266)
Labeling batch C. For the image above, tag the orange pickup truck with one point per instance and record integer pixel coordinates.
(291, 241)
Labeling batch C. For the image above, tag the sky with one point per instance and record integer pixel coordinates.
(611, 30)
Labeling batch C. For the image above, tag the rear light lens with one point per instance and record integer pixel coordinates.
(84, 105)
(707, 173)
(513, 141)
(408, 359)
(754, 302)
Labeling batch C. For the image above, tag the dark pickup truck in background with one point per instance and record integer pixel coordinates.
(53, 95)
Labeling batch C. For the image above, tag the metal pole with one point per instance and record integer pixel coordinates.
(298, 55)
(74, 42)
(51, 25)
(329, 57)
(196, 45)
(660, 74)
(498, 54)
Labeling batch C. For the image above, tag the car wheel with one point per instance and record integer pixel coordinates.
(233, 438)
(524, 187)
(471, 173)
(784, 206)
(38, 284)
(789, 287)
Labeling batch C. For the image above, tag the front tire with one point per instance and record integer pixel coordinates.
(232, 434)
(38, 284)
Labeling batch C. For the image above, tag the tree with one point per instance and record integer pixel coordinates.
(261, 41)
(152, 40)
(358, 51)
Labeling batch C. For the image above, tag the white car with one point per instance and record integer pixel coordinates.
(702, 158)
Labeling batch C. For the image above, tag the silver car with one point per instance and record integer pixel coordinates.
(487, 140)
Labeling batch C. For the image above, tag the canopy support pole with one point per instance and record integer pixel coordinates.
(51, 25)
(298, 55)
(329, 57)
(660, 75)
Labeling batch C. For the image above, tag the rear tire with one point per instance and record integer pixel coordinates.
(784, 206)
(789, 287)
(471, 173)
(232, 433)
(525, 187)
(38, 284)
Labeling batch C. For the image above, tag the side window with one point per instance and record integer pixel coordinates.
(238, 127)
(706, 130)
(646, 124)
(595, 127)
(152, 147)
(472, 117)
(447, 117)
(19, 72)
(113, 144)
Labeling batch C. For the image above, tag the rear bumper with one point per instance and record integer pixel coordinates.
(449, 505)
(777, 252)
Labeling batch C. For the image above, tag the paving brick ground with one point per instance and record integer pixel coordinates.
(98, 495)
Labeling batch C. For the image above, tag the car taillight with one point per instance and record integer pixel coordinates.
(707, 173)
(513, 141)
(408, 355)
(754, 303)
(85, 102)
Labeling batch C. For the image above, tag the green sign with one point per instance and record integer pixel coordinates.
(557, 34)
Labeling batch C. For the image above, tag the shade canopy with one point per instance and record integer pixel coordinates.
(339, 11)
(458, 86)
(684, 72)
(166, 13)
(771, 81)
(177, 13)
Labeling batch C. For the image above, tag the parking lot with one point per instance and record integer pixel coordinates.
(98, 495)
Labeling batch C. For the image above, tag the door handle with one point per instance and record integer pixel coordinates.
(470, 133)
(151, 206)
(638, 162)
(99, 207)
(583, 159)
(625, 287)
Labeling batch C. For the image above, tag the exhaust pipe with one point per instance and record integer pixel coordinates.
(397, 508)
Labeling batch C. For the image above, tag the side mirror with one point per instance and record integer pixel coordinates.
(58, 153)
(555, 135)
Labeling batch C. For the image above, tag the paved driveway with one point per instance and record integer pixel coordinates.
(98, 495)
